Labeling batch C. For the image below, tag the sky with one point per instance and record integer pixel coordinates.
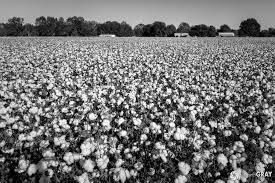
(209, 12)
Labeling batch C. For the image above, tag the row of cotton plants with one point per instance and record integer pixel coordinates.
(137, 110)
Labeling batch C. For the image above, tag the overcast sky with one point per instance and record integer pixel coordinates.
(209, 12)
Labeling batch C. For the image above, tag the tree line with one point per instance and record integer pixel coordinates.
(78, 26)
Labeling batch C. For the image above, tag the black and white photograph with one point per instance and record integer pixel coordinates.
(137, 91)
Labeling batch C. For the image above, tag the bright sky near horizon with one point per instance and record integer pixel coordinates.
(209, 12)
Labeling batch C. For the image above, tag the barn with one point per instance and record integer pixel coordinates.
(226, 34)
(107, 35)
(181, 34)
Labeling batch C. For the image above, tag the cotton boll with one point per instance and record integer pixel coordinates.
(222, 159)
(92, 116)
(33, 110)
(184, 168)
(83, 178)
(32, 169)
(23, 165)
(137, 121)
(89, 165)
(181, 179)
(69, 158)
(102, 162)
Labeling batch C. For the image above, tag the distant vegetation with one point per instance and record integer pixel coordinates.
(78, 26)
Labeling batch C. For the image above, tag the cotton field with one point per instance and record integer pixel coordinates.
(137, 110)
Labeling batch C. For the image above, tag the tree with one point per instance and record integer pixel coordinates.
(62, 29)
(199, 30)
(76, 26)
(125, 30)
(271, 31)
(138, 30)
(250, 27)
(147, 30)
(265, 33)
(170, 30)
(212, 32)
(14, 27)
(184, 28)
(51, 26)
(29, 30)
(158, 29)
(41, 26)
(224, 28)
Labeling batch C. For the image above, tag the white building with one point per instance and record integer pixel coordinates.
(107, 35)
(226, 34)
(181, 34)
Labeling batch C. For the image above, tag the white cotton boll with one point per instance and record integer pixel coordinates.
(260, 167)
(257, 130)
(267, 159)
(32, 169)
(69, 158)
(106, 123)
(89, 165)
(102, 162)
(83, 178)
(123, 174)
(119, 162)
(120, 121)
(222, 159)
(92, 116)
(137, 121)
(33, 110)
(272, 144)
(84, 97)
(244, 137)
(87, 148)
(184, 168)
(143, 137)
(3, 124)
(123, 133)
(163, 157)
(227, 133)
(181, 179)
(23, 165)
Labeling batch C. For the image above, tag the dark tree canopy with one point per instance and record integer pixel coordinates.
(14, 27)
(224, 28)
(170, 30)
(78, 26)
(250, 27)
(184, 28)
(138, 30)
(199, 30)
(158, 29)
(212, 32)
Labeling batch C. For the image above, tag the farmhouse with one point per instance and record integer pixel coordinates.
(181, 34)
(226, 34)
(107, 35)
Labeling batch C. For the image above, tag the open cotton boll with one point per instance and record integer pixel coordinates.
(69, 158)
(32, 169)
(222, 159)
(181, 179)
(89, 165)
(102, 162)
(92, 116)
(184, 168)
(83, 178)
(23, 165)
